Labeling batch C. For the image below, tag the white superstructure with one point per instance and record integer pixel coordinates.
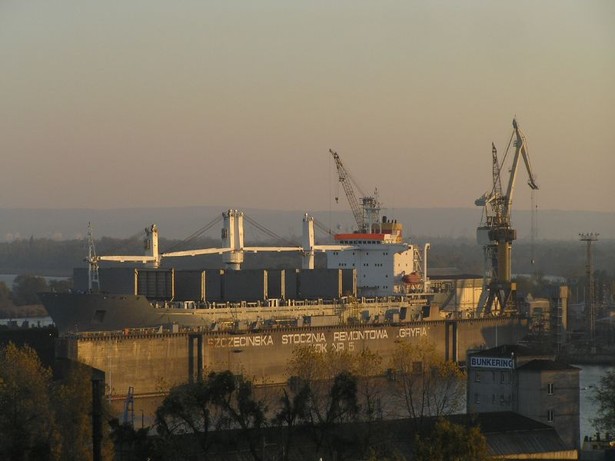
(384, 264)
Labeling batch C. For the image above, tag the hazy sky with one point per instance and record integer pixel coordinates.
(235, 103)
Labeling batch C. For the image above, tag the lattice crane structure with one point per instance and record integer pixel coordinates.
(495, 232)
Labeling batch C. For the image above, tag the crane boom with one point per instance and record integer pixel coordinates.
(345, 179)
(496, 234)
(367, 213)
(520, 148)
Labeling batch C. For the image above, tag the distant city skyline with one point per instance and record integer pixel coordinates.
(159, 104)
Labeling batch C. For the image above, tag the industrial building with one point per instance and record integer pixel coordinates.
(517, 379)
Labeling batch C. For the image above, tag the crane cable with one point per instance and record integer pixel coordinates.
(268, 232)
(196, 234)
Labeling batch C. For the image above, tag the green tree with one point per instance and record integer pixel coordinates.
(61, 286)
(71, 400)
(27, 426)
(451, 442)
(221, 401)
(26, 287)
(293, 410)
(331, 396)
(5, 296)
(604, 397)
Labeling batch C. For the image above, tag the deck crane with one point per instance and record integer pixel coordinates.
(367, 213)
(495, 232)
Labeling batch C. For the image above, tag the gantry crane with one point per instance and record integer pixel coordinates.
(495, 232)
(367, 213)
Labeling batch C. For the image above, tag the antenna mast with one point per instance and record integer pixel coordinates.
(590, 308)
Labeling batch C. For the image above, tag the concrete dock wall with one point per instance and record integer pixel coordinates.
(154, 362)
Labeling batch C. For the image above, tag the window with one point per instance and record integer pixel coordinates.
(477, 399)
(493, 399)
(550, 416)
(550, 388)
(477, 377)
(493, 376)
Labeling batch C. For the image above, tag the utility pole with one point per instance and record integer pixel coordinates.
(590, 308)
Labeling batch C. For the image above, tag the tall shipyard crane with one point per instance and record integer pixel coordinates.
(495, 232)
(367, 213)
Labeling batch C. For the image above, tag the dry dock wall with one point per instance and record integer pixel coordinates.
(152, 363)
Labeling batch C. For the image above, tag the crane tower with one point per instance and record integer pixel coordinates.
(496, 233)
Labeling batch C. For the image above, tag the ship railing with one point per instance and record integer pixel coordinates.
(247, 305)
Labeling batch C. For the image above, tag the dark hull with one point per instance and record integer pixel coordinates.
(74, 312)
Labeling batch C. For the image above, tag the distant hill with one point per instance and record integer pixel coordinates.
(177, 223)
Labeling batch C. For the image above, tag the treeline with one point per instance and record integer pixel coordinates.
(42, 418)
(21, 299)
(332, 407)
(561, 258)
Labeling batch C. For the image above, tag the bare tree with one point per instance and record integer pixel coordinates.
(425, 384)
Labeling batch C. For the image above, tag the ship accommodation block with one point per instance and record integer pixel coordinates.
(379, 266)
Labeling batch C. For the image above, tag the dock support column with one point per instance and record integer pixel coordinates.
(450, 341)
(195, 340)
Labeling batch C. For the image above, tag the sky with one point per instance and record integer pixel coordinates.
(155, 103)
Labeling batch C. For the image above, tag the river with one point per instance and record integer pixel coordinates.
(589, 379)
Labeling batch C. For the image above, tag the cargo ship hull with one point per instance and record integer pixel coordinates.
(84, 312)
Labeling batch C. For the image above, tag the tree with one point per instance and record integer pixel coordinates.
(328, 396)
(26, 287)
(604, 397)
(451, 442)
(426, 385)
(221, 401)
(5, 296)
(71, 400)
(293, 409)
(27, 426)
(61, 286)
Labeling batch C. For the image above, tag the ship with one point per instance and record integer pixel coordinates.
(372, 276)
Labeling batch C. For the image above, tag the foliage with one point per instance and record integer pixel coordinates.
(134, 444)
(451, 442)
(426, 385)
(5, 296)
(40, 418)
(27, 426)
(60, 286)
(221, 401)
(325, 393)
(604, 397)
(26, 287)
(71, 400)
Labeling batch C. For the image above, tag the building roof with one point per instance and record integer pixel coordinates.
(546, 365)
(507, 350)
(509, 433)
